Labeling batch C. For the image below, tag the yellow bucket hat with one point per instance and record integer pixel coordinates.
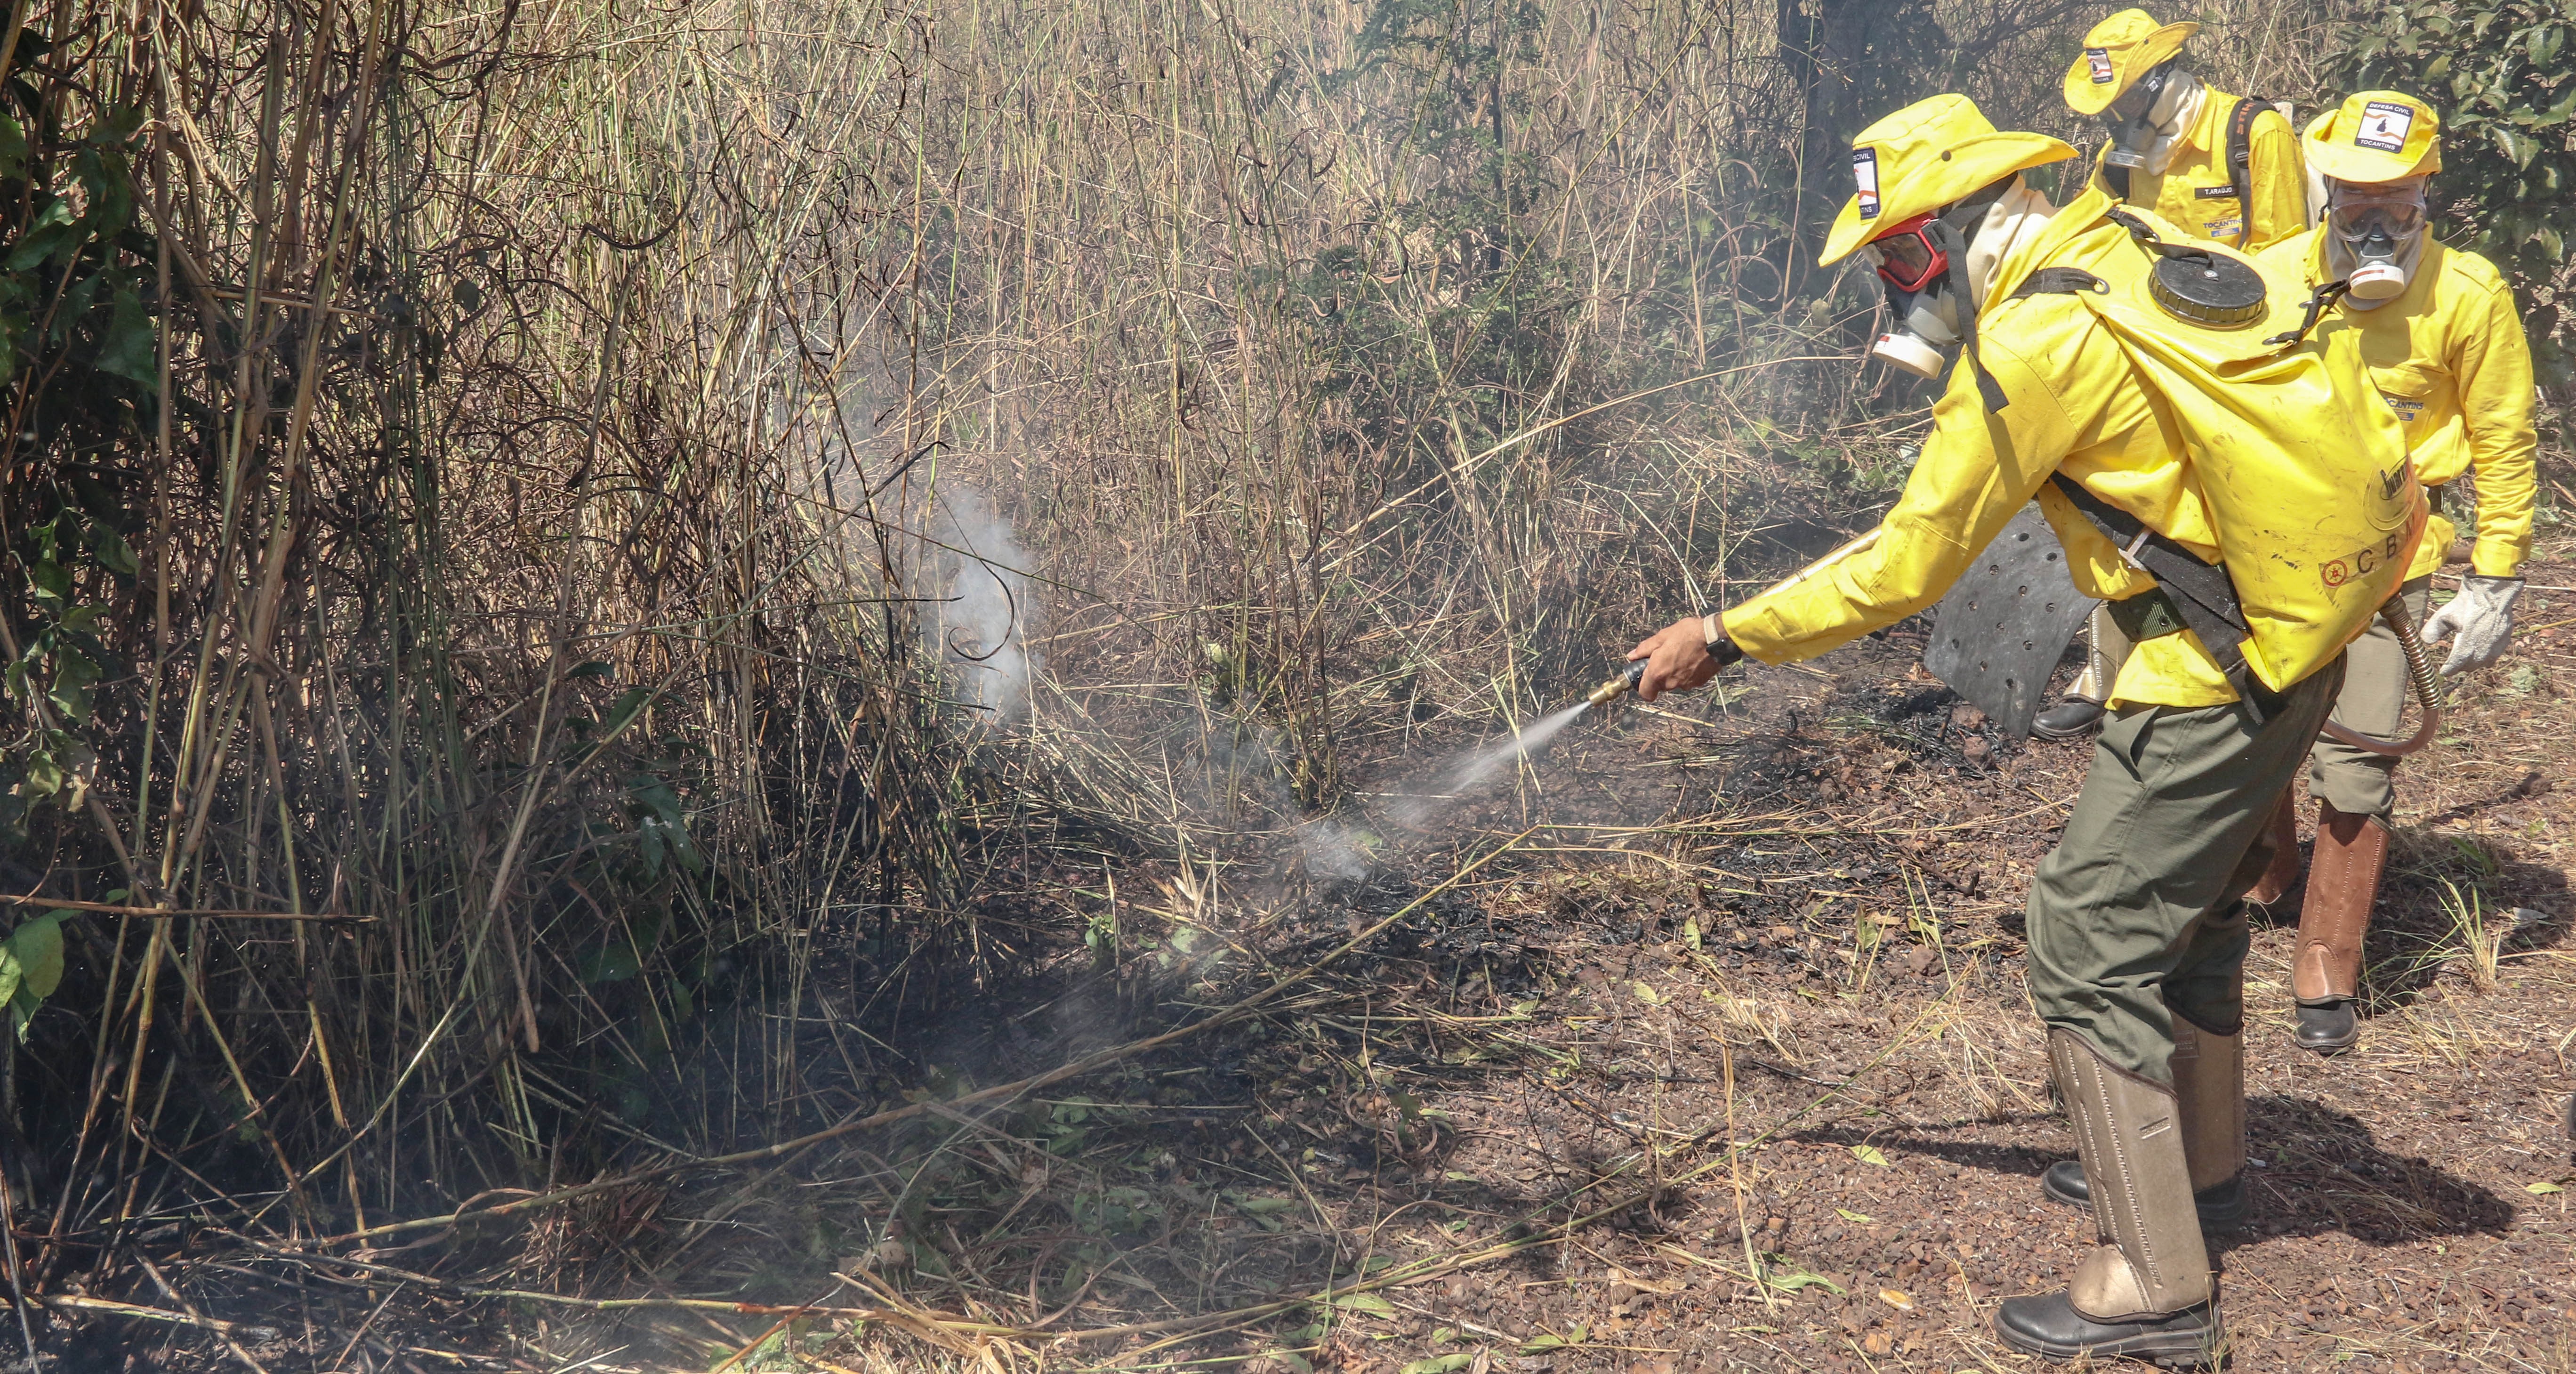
(2375, 136)
(2118, 51)
(1923, 157)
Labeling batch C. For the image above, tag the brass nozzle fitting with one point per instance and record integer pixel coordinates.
(1617, 687)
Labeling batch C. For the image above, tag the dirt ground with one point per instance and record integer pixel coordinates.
(1815, 952)
(1725, 1063)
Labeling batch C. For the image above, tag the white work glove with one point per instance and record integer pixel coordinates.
(2478, 622)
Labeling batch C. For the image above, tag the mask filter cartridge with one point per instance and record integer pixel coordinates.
(1909, 353)
(1926, 327)
(2378, 279)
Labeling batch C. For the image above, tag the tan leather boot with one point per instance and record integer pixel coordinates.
(2343, 882)
(2209, 1094)
(2149, 1294)
(2283, 833)
(2209, 1099)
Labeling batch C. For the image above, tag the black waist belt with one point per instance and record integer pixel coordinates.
(2200, 596)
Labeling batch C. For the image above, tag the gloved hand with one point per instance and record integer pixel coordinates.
(2478, 622)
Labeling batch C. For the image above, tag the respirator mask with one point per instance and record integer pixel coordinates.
(1933, 276)
(1913, 262)
(2375, 236)
(2148, 118)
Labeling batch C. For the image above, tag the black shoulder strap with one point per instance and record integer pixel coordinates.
(2240, 161)
(2203, 595)
(2059, 281)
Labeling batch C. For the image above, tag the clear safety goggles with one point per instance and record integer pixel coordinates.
(1905, 256)
(2357, 208)
(2134, 103)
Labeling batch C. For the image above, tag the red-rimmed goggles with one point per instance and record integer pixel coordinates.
(1906, 256)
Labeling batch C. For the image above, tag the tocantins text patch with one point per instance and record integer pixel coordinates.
(2101, 60)
(2384, 126)
(1865, 172)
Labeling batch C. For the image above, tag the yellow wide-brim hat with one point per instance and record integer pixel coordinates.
(1923, 157)
(2375, 136)
(2118, 51)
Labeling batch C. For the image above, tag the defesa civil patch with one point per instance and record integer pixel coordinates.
(2384, 126)
(1865, 172)
(2101, 60)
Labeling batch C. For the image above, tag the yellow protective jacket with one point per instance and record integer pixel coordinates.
(2077, 402)
(2195, 193)
(2450, 358)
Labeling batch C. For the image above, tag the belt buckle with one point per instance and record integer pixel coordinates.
(2129, 551)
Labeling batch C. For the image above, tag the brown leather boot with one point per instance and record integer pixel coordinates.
(2282, 831)
(2343, 882)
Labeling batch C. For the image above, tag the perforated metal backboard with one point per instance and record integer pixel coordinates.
(1998, 634)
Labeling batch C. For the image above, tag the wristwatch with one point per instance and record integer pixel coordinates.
(1721, 646)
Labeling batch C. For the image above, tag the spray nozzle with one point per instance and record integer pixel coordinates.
(1619, 686)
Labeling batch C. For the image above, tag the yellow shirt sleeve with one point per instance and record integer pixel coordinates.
(2280, 182)
(2493, 366)
(1977, 470)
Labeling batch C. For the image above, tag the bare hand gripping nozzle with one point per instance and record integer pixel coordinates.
(1619, 686)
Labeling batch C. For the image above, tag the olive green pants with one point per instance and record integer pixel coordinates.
(2134, 918)
(2373, 701)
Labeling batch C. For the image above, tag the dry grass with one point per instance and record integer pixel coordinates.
(553, 495)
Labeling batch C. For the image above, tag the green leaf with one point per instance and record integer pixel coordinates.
(1545, 1341)
(51, 579)
(615, 962)
(113, 553)
(42, 775)
(38, 948)
(1369, 1303)
(630, 703)
(13, 148)
(73, 676)
(1442, 1364)
(1789, 1279)
(1264, 1206)
(49, 231)
(1869, 1154)
(132, 348)
(2542, 1189)
(1849, 1215)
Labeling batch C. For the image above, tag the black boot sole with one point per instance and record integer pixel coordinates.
(2219, 1211)
(2327, 1030)
(2185, 1342)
